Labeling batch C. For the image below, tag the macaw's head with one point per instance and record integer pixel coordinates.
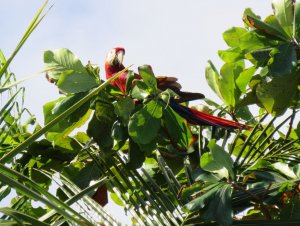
(114, 58)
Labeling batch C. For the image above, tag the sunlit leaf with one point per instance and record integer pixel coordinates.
(276, 102)
(221, 157)
(145, 123)
(284, 13)
(244, 78)
(146, 73)
(284, 169)
(123, 109)
(65, 68)
(212, 78)
(264, 27)
(231, 55)
(228, 75)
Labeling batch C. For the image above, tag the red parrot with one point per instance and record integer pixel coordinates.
(113, 64)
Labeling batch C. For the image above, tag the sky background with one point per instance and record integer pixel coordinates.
(176, 37)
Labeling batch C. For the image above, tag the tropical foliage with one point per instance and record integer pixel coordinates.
(135, 148)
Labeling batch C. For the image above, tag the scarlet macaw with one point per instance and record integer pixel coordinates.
(113, 64)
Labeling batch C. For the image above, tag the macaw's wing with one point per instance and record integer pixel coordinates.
(164, 82)
(200, 118)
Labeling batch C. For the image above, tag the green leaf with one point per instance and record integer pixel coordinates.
(242, 38)
(212, 78)
(67, 70)
(200, 202)
(21, 218)
(120, 134)
(296, 24)
(100, 126)
(284, 60)
(73, 82)
(221, 156)
(74, 120)
(83, 177)
(177, 128)
(136, 156)
(148, 76)
(296, 170)
(276, 102)
(231, 55)
(264, 27)
(140, 91)
(144, 124)
(129, 80)
(244, 78)
(228, 75)
(123, 109)
(220, 207)
(208, 163)
(284, 12)
(259, 57)
(285, 169)
(234, 35)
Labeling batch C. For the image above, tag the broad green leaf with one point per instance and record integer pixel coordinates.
(212, 78)
(259, 57)
(61, 60)
(120, 134)
(220, 207)
(284, 13)
(123, 109)
(273, 21)
(233, 36)
(177, 128)
(204, 176)
(264, 27)
(140, 91)
(296, 170)
(144, 124)
(284, 60)
(227, 82)
(285, 169)
(296, 28)
(136, 156)
(148, 76)
(231, 55)
(64, 151)
(276, 95)
(244, 78)
(221, 156)
(243, 39)
(83, 177)
(208, 163)
(187, 192)
(74, 82)
(100, 127)
(201, 201)
(129, 80)
(76, 119)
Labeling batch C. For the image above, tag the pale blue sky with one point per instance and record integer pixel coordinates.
(176, 37)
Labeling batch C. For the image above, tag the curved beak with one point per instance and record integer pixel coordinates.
(119, 56)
